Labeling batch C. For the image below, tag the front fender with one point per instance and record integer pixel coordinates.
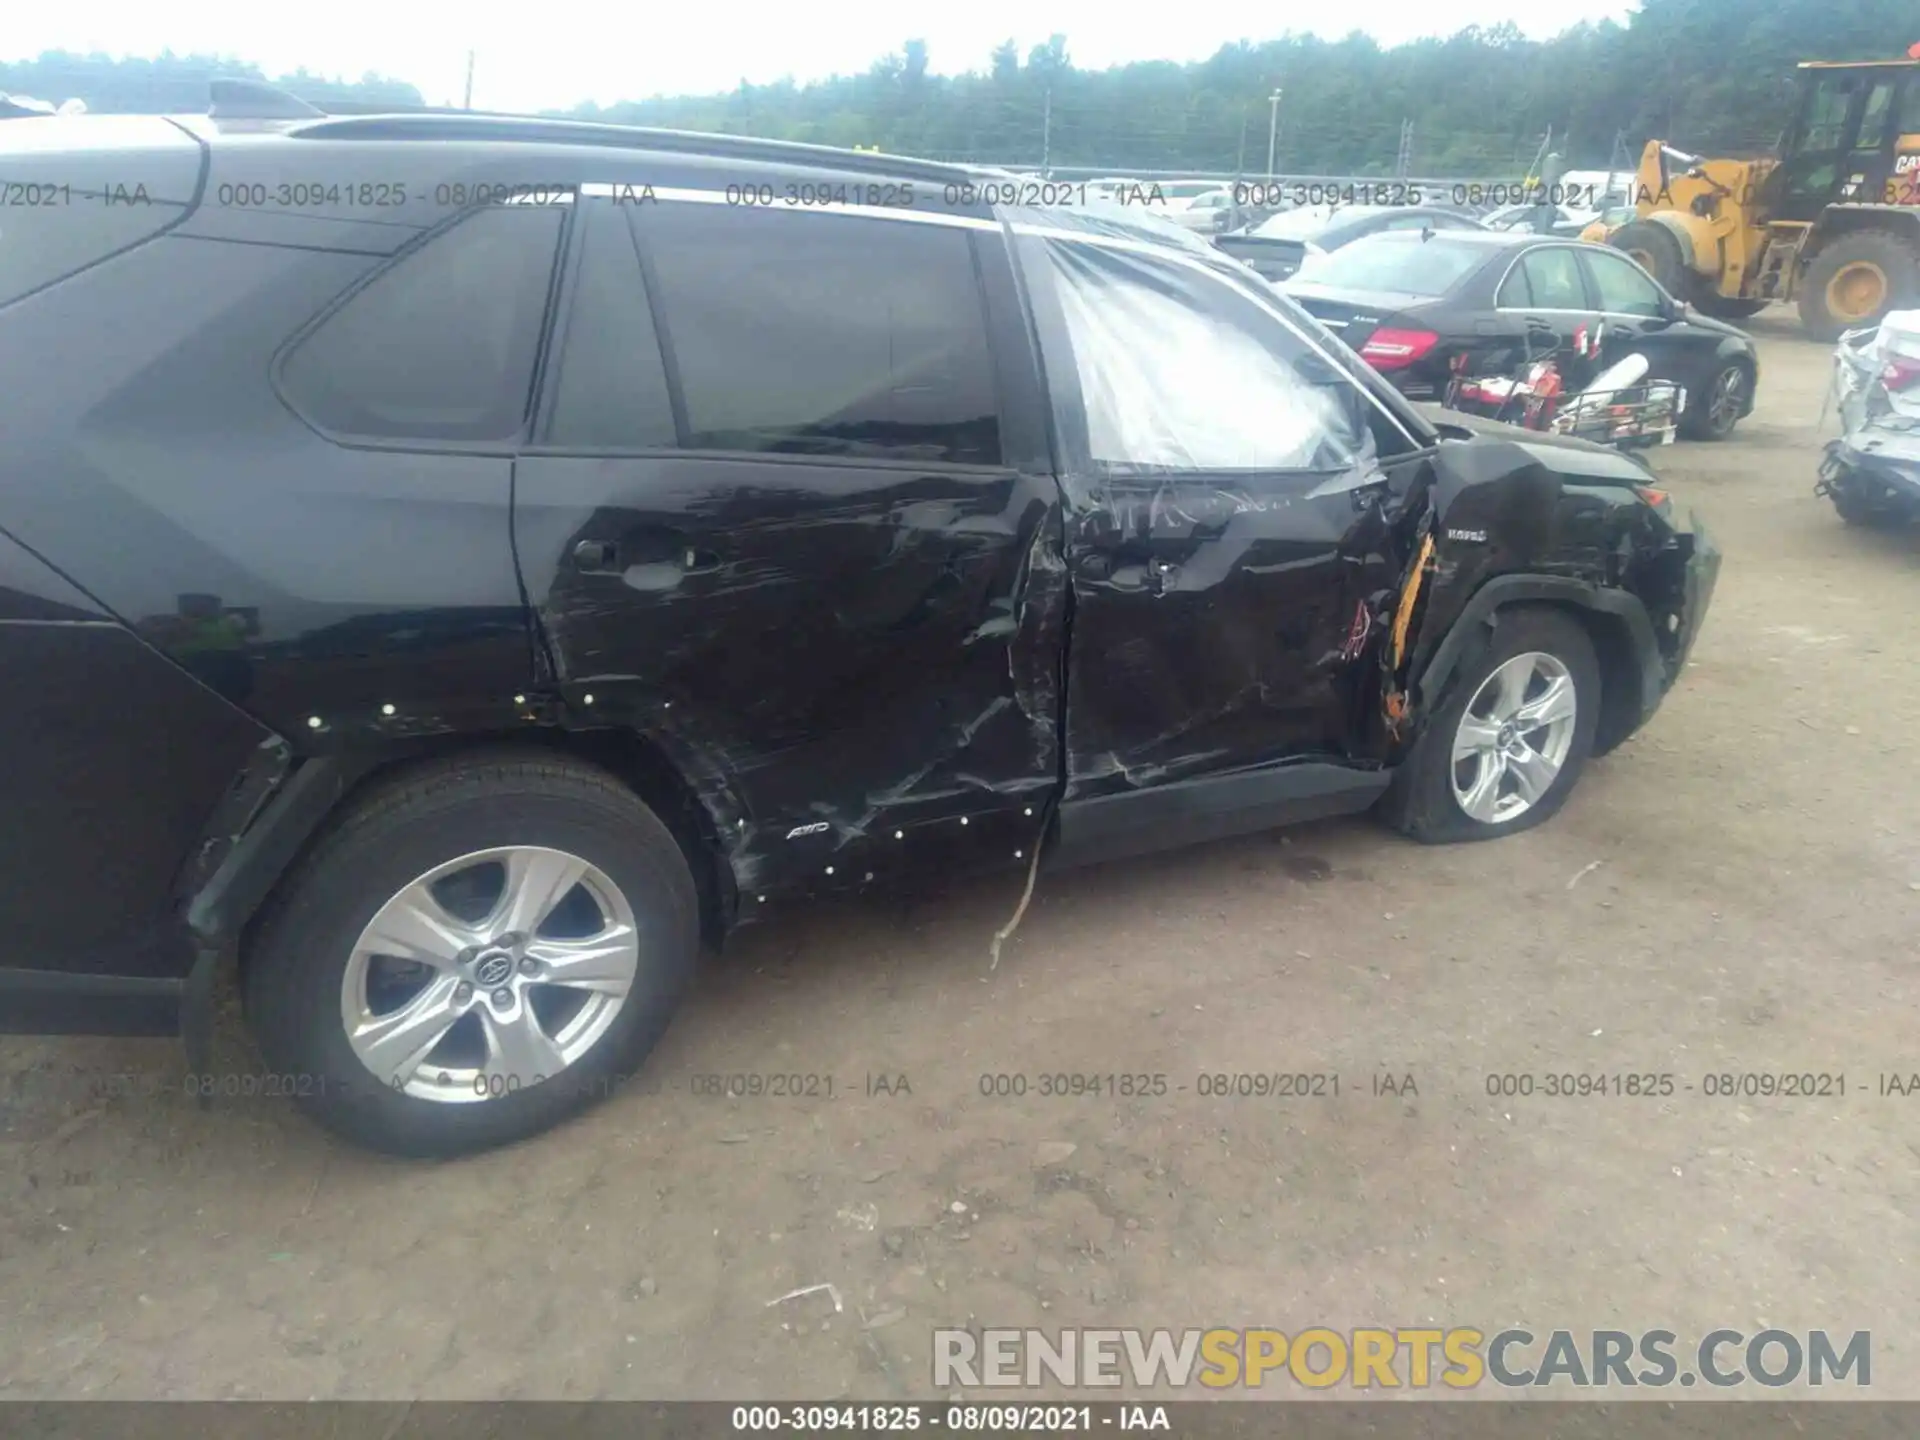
(1481, 613)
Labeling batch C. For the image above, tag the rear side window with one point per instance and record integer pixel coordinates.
(820, 334)
(1546, 279)
(612, 387)
(441, 344)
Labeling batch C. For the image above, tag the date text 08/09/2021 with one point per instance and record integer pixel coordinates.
(952, 1417)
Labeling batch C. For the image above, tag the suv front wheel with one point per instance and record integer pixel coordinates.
(479, 949)
(1505, 749)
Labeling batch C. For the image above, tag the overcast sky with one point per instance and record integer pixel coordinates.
(560, 52)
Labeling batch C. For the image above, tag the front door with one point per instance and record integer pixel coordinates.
(774, 521)
(1639, 319)
(1223, 469)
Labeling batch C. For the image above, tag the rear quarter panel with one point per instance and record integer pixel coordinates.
(112, 759)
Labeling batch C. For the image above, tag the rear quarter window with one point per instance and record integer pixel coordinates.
(441, 345)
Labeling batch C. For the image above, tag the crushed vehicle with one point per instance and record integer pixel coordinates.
(1871, 473)
(454, 569)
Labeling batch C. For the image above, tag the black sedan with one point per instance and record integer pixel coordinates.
(1277, 247)
(1410, 303)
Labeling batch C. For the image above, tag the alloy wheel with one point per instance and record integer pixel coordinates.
(1513, 738)
(1729, 394)
(489, 974)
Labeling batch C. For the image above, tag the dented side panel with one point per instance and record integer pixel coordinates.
(1559, 512)
(860, 647)
(1215, 626)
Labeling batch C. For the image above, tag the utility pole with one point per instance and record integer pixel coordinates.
(1403, 162)
(1273, 130)
(469, 101)
(1046, 129)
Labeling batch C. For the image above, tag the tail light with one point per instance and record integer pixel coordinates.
(1901, 372)
(1388, 349)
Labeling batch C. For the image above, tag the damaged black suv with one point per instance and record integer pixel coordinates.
(454, 568)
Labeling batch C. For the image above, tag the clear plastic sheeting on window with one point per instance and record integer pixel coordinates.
(1182, 367)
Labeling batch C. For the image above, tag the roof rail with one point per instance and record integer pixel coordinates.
(541, 130)
(256, 100)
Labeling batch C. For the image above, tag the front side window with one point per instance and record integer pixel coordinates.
(1624, 288)
(821, 334)
(1827, 113)
(440, 345)
(1179, 369)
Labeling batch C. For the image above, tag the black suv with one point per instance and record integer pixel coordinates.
(457, 568)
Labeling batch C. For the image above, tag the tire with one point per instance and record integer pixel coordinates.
(1722, 307)
(1865, 515)
(1715, 409)
(1421, 801)
(1658, 252)
(309, 965)
(1894, 259)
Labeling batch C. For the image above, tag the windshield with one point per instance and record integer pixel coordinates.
(1403, 263)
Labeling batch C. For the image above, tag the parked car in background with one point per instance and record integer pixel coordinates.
(445, 619)
(1561, 219)
(1410, 304)
(1280, 245)
(1209, 214)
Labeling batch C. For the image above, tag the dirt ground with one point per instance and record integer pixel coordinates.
(1735, 890)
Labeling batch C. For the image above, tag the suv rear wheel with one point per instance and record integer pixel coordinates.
(1507, 747)
(478, 950)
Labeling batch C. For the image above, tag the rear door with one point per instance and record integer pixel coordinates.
(1545, 302)
(776, 518)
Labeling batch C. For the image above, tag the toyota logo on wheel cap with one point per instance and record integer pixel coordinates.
(493, 968)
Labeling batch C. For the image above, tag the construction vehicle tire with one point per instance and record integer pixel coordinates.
(1655, 249)
(1854, 279)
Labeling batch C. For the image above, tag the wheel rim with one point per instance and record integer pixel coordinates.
(1513, 738)
(1729, 391)
(1857, 290)
(1643, 258)
(489, 974)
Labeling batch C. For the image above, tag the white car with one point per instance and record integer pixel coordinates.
(1207, 214)
(1566, 219)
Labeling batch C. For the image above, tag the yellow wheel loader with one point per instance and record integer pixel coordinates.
(1832, 222)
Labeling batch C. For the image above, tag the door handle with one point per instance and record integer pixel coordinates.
(597, 557)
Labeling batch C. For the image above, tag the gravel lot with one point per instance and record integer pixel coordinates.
(1733, 891)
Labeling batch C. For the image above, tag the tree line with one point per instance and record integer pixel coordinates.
(1715, 76)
